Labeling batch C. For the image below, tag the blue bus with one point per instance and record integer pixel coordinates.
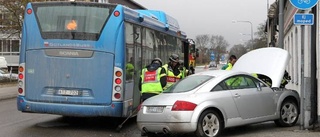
(74, 56)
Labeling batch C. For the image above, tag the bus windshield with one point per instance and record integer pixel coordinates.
(72, 21)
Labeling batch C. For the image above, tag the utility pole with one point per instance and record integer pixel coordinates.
(281, 24)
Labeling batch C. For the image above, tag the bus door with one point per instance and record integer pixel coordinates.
(133, 63)
(137, 37)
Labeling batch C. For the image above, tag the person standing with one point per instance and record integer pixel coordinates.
(231, 61)
(129, 69)
(192, 60)
(172, 70)
(184, 71)
(153, 79)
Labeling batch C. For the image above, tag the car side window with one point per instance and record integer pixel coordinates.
(221, 86)
(240, 82)
(251, 82)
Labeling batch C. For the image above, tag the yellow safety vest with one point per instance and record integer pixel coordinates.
(171, 78)
(183, 72)
(229, 66)
(150, 81)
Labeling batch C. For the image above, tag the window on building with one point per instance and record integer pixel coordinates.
(15, 47)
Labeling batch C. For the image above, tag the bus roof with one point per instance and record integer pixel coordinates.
(158, 18)
(161, 16)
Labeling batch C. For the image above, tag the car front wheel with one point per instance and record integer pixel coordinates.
(209, 124)
(288, 114)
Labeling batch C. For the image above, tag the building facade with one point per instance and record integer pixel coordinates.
(297, 40)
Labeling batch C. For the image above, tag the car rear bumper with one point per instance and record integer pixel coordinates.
(167, 128)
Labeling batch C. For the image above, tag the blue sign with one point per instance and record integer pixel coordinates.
(303, 19)
(222, 58)
(212, 56)
(304, 4)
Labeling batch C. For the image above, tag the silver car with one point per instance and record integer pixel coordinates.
(207, 102)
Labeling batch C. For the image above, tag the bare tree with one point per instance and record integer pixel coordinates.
(261, 40)
(219, 46)
(13, 14)
(238, 50)
(202, 42)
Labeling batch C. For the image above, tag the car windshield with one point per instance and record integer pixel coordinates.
(188, 84)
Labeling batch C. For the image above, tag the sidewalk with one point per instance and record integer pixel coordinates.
(8, 91)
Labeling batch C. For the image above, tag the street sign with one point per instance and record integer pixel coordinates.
(304, 4)
(303, 19)
(212, 56)
(222, 58)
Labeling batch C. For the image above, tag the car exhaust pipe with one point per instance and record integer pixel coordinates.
(166, 131)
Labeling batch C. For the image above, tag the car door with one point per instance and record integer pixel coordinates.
(251, 100)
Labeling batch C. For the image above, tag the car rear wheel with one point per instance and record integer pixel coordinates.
(288, 114)
(209, 124)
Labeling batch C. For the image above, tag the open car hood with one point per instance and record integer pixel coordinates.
(268, 61)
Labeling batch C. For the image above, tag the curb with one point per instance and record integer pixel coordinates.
(5, 97)
(4, 94)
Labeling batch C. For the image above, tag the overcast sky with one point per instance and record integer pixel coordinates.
(198, 17)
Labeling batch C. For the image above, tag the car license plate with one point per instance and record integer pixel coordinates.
(66, 92)
(155, 109)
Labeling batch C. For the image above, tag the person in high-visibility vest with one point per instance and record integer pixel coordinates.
(183, 70)
(191, 60)
(153, 79)
(231, 61)
(129, 69)
(172, 70)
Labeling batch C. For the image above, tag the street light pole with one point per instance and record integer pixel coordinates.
(245, 21)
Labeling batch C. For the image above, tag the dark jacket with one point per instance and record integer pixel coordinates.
(154, 67)
(175, 70)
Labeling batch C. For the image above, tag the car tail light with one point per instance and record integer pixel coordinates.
(183, 106)
(139, 107)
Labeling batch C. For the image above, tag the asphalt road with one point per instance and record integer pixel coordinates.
(14, 123)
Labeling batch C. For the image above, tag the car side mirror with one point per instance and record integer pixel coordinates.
(259, 85)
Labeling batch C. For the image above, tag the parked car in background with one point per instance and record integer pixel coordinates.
(207, 102)
(5, 75)
(212, 64)
(3, 63)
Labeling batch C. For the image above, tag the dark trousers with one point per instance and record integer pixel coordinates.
(145, 96)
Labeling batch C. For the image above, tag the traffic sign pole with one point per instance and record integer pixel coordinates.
(308, 116)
